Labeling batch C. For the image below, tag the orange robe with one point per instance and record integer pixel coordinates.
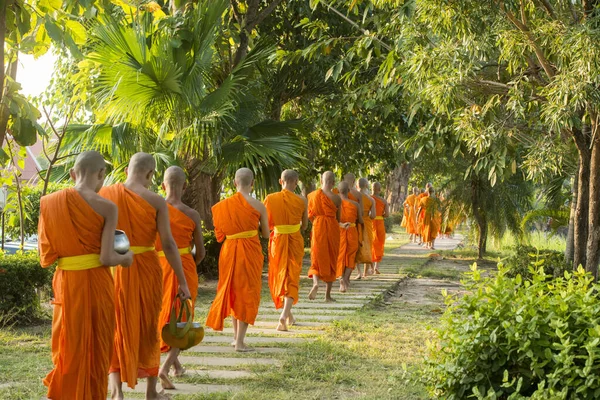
(378, 231)
(348, 238)
(182, 228)
(429, 210)
(366, 233)
(410, 210)
(325, 238)
(286, 250)
(84, 316)
(138, 290)
(420, 215)
(240, 263)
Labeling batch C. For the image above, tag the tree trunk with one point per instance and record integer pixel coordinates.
(203, 192)
(397, 187)
(480, 217)
(593, 237)
(4, 112)
(570, 247)
(583, 196)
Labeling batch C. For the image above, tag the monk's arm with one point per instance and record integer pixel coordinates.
(386, 210)
(304, 216)
(373, 212)
(108, 255)
(47, 254)
(264, 221)
(199, 240)
(170, 247)
(360, 217)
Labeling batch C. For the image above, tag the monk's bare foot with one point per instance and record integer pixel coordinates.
(343, 286)
(291, 321)
(165, 381)
(117, 396)
(329, 300)
(179, 372)
(233, 343)
(244, 348)
(282, 326)
(313, 292)
(358, 278)
(377, 271)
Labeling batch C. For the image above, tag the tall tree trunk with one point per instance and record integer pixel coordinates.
(570, 247)
(397, 187)
(480, 217)
(307, 187)
(583, 196)
(203, 192)
(4, 112)
(593, 238)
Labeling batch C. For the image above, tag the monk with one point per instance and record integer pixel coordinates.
(237, 221)
(350, 216)
(77, 229)
(410, 210)
(138, 289)
(429, 209)
(381, 211)
(288, 216)
(186, 228)
(419, 217)
(366, 233)
(324, 212)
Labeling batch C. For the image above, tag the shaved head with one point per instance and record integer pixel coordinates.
(429, 185)
(244, 177)
(344, 188)
(141, 164)
(363, 183)
(431, 190)
(89, 162)
(328, 178)
(350, 178)
(289, 175)
(415, 190)
(175, 177)
(376, 187)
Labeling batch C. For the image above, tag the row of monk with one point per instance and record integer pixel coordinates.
(107, 324)
(422, 217)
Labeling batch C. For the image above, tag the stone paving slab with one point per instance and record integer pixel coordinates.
(220, 374)
(303, 319)
(274, 332)
(323, 305)
(229, 349)
(184, 388)
(226, 361)
(254, 339)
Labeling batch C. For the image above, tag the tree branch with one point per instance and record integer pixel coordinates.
(263, 14)
(546, 4)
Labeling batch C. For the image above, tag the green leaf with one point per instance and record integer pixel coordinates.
(53, 30)
(24, 132)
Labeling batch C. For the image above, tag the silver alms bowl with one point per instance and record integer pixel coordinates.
(121, 242)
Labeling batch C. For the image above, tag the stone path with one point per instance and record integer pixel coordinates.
(214, 366)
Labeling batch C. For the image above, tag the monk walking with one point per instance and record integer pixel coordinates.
(77, 229)
(350, 216)
(237, 221)
(429, 209)
(366, 233)
(410, 209)
(287, 218)
(424, 193)
(186, 228)
(138, 289)
(324, 212)
(381, 211)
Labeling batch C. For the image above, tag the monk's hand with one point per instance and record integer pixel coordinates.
(127, 259)
(184, 292)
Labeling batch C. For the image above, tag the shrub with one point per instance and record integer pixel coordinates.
(393, 219)
(209, 267)
(524, 257)
(509, 338)
(21, 279)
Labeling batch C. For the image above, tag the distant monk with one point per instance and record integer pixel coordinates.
(350, 216)
(410, 209)
(353, 194)
(429, 209)
(237, 221)
(77, 229)
(186, 228)
(419, 219)
(381, 211)
(138, 289)
(324, 212)
(366, 233)
(287, 217)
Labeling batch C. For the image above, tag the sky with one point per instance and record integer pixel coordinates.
(34, 75)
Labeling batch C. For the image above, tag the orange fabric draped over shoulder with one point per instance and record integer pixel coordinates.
(84, 316)
(366, 233)
(240, 263)
(378, 231)
(420, 215)
(348, 238)
(182, 228)
(138, 290)
(325, 238)
(286, 250)
(410, 210)
(429, 211)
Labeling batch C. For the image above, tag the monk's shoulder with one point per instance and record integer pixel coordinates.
(102, 206)
(190, 213)
(337, 200)
(301, 198)
(156, 201)
(256, 204)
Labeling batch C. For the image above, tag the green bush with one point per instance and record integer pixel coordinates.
(209, 267)
(524, 257)
(510, 338)
(393, 219)
(21, 279)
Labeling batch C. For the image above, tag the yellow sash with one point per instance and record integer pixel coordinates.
(243, 235)
(379, 217)
(352, 225)
(286, 229)
(141, 249)
(79, 263)
(182, 251)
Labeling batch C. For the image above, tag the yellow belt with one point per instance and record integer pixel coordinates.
(141, 249)
(379, 217)
(182, 251)
(352, 225)
(79, 263)
(286, 229)
(243, 235)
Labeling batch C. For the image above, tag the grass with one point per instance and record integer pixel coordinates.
(431, 270)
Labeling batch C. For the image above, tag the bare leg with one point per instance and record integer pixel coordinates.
(116, 386)
(313, 292)
(241, 335)
(360, 276)
(376, 268)
(151, 393)
(179, 370)
(285, 314)
(347, 274)
(328, 287)
(235, 330)
(163, 373)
